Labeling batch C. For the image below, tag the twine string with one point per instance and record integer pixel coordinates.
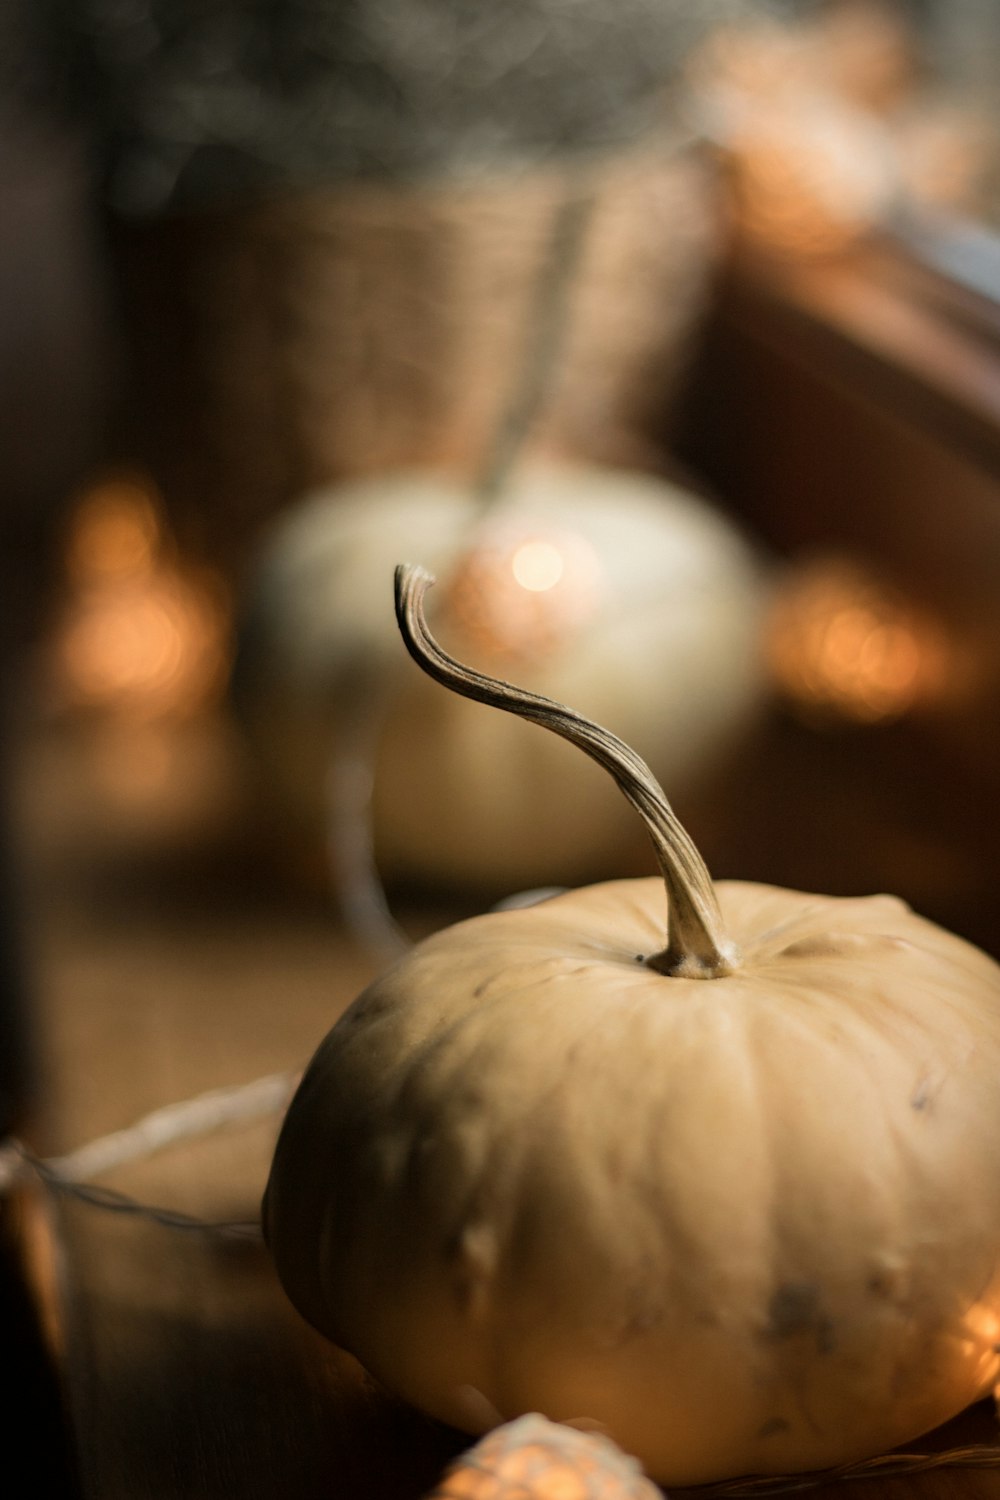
(358, 889)
(191, 1119)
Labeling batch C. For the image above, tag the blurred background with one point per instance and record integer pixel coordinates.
(666, 333)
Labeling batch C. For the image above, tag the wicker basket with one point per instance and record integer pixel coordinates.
(368, 328)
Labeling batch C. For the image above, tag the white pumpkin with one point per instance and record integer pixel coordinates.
(653, 625)
(736, 1200)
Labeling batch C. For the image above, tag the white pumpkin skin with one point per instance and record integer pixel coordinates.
(750, 1224)
(463, 797)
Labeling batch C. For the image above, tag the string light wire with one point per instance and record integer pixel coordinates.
(191, 1119)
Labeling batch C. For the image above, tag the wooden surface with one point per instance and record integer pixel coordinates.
(170, 957)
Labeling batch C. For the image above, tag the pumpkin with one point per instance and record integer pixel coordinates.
(734, 1197)
(657, 587)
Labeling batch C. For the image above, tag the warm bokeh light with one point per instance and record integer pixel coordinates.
(524, 592)
(947, 156)
(826, 123)
(841, 642)
(742, 62)
(138, 632)
(154, 644)
(810, 178)
(865, 51)
(981, 1342)
(115, 532)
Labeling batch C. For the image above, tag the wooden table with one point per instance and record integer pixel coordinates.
(170, 958)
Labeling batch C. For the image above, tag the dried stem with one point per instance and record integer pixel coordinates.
(696, 943)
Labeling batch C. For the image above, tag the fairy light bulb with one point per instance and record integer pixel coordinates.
(532, 1458)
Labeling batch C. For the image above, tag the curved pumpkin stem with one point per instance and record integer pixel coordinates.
(696, 943)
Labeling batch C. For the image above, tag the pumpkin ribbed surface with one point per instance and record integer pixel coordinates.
(749, 1225)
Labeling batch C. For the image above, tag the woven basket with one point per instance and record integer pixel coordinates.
(362, 329)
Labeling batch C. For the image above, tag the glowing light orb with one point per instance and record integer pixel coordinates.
(844, 644)
(525, 594)
(115, 532)
(138, 632)
(538, 566)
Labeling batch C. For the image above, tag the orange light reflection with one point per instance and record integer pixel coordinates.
(139, 634)
(843, 643)
(523, 592)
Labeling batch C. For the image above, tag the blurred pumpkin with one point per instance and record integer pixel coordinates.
(620, 591)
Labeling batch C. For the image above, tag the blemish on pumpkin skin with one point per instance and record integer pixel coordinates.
(640, 1322)
(925, 1093)
(475, 1262)
(796, 1309)
(887, 1279)
(773, 1427)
